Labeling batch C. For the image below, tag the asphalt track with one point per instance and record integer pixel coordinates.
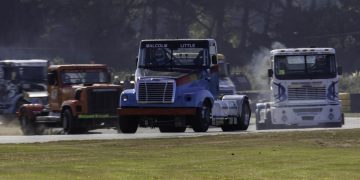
(13, 133)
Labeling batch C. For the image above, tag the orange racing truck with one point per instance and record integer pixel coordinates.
(81, 98)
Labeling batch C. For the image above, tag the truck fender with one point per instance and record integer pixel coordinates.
(70, 104)
(240, 100)
(203, 95)
(33, 108)
(130, 97)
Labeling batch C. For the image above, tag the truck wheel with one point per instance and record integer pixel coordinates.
(164, 129)
(244, 120)
(128, 124)
(68, 122)
(27, 122)
(201, 122)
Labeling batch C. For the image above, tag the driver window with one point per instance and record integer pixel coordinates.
(158, 56)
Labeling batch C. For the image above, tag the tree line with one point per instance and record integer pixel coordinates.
(109, 31)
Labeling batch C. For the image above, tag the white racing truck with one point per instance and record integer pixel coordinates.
(304, 85)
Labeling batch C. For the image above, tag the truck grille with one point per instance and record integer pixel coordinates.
(156, 92)
(307, 93)
(103, 101)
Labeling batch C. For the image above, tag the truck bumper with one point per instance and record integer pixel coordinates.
(156, 111)
(307, 116)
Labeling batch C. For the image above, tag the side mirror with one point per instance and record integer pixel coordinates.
(339, 70)
(51, 77)
(270, 72)
(136, 61)
(214, 59)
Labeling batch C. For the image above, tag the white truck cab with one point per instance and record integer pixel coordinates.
(304, 85)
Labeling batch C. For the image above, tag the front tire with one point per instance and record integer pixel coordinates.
(128, 124)
(69, 123)
(201, 122)
(28, 125)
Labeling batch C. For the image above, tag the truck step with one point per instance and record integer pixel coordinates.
(48, 119)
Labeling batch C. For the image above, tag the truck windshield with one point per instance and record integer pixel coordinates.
(84, 77)
(319, 66)
(174, 54)
(173, 58)
(26, 74)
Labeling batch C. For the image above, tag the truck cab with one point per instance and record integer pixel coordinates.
(304, 85)
(81, 98)
(176, 85)
(21, 82)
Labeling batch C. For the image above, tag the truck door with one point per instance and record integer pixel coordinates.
(213, 71)
(54, 91)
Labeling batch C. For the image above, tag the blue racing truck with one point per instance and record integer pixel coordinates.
(177, 86)
(22, 82)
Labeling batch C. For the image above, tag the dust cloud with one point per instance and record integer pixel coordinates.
(9, 125)
(259, 65)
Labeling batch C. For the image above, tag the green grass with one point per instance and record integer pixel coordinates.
(285, 155)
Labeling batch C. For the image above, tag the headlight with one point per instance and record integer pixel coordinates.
(124, 97)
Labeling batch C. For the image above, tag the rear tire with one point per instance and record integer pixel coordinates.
(69, 124)
(128, 124)
(242, 122)
(201, 122)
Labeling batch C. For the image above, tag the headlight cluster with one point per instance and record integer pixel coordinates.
(124, 97)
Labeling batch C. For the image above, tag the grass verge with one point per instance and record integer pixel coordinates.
(284, 155)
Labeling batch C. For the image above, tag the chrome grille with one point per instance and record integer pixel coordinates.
(156, 92)
(103, 101)
(307, 93)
